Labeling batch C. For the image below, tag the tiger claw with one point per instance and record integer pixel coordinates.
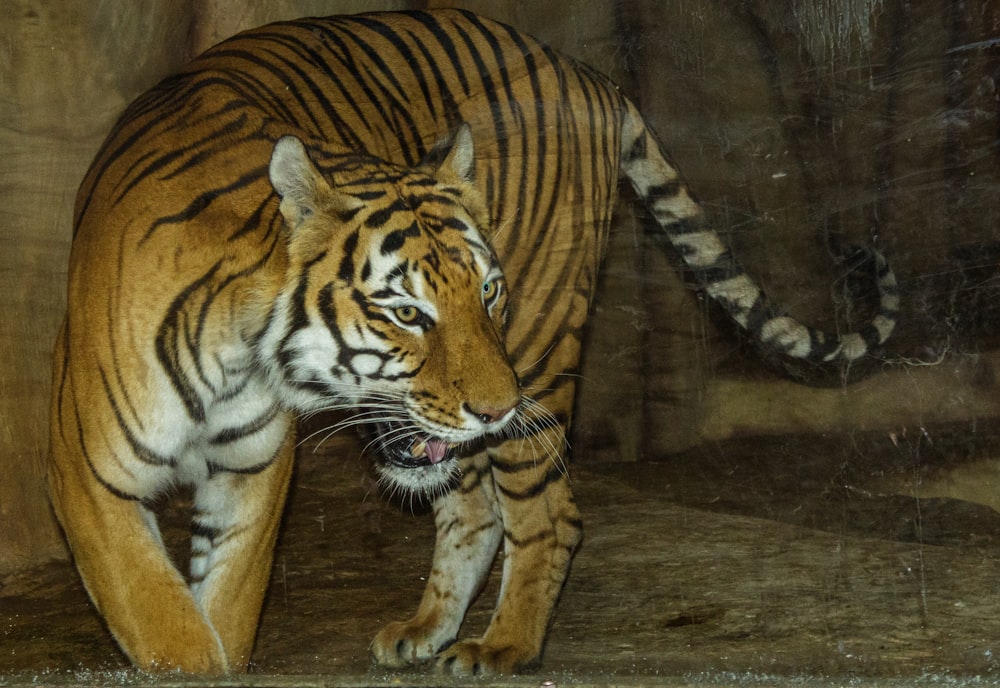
(477, 658)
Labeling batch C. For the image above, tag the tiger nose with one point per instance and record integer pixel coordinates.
(488, 414)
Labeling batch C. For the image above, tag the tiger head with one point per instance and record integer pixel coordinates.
(393, 306)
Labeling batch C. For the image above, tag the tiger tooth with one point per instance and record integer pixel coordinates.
(419, 449)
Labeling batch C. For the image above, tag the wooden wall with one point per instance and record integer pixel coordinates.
(66, 70)
(800, 131)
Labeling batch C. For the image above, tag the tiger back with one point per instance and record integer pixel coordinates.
(398, 215)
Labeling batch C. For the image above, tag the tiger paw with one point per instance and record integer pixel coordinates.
(402, 644)
(479, 658)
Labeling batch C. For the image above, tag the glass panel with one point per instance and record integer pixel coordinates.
(747, 517)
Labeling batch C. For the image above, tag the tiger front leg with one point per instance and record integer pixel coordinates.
(468, 536)
(234, 529)
(542, 529)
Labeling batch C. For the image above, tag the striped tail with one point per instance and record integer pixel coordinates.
(719, 273)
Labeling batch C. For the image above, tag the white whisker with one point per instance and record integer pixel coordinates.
(501, 226)
(521, 371)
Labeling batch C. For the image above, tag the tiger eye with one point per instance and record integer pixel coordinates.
(490, 291)
(407, 314)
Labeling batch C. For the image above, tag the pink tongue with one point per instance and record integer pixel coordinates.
(436, 451)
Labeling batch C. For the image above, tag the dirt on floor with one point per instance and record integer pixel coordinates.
(757, 561)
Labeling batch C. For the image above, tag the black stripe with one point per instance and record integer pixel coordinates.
(261, 94)
(199, 148)
(256, 222)
(348, 66)
(215, 469)
(716, 273)
(517, 114)
(472, 479)
(408, 58)
(683, 226)
(168, 342)
(205, 199)
(663, 191)
(141, 451)
(542, 536)
(443, 38)
(254, 426)
(637, 151)
(346, 269)
(395, 240)
(298, 317)
(121, 494)
(553, 475)
(760, 314)
(382, 216)
(870, 334)
(200, 529)
(821, 345)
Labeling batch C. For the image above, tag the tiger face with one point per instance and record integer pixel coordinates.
(394, 307)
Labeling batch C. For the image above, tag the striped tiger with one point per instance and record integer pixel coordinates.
(399, 215)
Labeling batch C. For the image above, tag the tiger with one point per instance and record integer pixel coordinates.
(399, 217)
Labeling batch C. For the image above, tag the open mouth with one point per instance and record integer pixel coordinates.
(400, 446)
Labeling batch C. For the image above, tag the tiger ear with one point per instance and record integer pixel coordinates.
(457, 156)
(296, 181)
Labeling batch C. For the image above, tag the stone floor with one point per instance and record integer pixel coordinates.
(779, 561)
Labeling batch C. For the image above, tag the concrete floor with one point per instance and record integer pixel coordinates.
(745, 564)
